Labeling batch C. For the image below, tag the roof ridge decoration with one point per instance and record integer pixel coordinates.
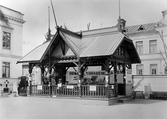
(69, 32)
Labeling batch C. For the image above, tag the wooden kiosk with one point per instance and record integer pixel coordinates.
(107, 48)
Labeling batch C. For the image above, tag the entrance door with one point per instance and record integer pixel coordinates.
(121, 89)
(121, 84)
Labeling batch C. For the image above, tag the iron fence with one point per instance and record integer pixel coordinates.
(91, 91)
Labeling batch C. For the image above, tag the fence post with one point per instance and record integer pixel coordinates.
(115, 90)
(55, 90)
(50, 89)
(30, 88)
(108, 91)
(80, 91)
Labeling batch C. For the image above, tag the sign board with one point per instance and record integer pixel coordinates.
(92, 88)
(72, 76)
(15, 86)
(112, 86)
(128, 76)
(112, 79)
(70, 87)
(39, 87)
(120, 78)
(59, 84)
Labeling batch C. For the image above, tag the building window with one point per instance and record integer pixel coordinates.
(139, 47)
(5, 69)
(139, 69)
(153, 46)
(6, 40)
(153, 69)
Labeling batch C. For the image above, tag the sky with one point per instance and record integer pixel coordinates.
(76, 14)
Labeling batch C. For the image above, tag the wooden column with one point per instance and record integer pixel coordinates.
(79, 76)
(115, 77)
(63, 74)
(30, 69)
(30, 72)
(107, 78)
(42, 72)
(79, 69)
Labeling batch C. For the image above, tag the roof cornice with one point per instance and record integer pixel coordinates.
(15, 19)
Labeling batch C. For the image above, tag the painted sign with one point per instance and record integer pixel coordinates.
(39, 87)
(59, 85)
(120, 78)
(92, 88)
(98, 76)
(70, 87)
(128, 76)
(36, 75)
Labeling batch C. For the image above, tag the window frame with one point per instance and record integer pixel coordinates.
(138, 69)
(8, 35)
(139, 47)
(152, 47)
(152, 67)
(5, 68)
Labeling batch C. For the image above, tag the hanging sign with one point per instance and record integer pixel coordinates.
(39, 87)
(128, 76)
(59, 85)
(92, 88)
(70, 87)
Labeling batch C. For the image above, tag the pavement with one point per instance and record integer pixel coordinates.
(65, 108)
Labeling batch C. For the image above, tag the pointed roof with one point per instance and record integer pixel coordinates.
(72, 39)
(37, 54)
(93, 43)
(103, 45)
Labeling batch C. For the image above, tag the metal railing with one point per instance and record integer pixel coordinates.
(66, 90)
(94, 91)
(91, 91)
(39, 90)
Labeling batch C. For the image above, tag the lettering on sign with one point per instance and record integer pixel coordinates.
(70, 87)
(59, 85)
(39, 87)
(128, 76)
(92, 88)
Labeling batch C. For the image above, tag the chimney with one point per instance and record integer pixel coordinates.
(121, 24)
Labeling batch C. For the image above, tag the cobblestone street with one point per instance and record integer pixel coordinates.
(63, 108)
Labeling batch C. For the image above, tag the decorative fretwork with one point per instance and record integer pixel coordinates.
(120, 51)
